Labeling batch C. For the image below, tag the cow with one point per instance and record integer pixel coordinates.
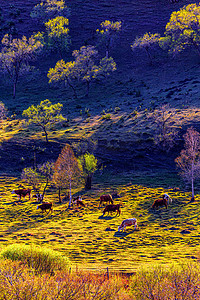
(160, 202)
(127, 222)
(105, 198)
(22, 193)
(79, 202)
(45, 206)
(112, 208)
(166, 196)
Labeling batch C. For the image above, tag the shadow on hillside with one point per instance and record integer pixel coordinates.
(123, 234)
(106, 217)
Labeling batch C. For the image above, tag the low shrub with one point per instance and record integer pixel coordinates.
(43, 260)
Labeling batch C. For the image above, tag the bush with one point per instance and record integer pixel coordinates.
(43, 260)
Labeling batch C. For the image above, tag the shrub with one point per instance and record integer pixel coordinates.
(106, 117)
(43, 260)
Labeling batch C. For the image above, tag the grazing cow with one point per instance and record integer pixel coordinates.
(105, 198)
(160, 202)
(22, 193)
(79, 202)
(166, 196)
(45, 206)
(112, 208)
(127, 222)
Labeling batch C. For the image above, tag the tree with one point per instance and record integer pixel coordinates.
(58, 33)
(16, 55)
(147, 41)
(165, 134)
(50, 9)
(189, 160)
(183, 29)
(89, 165)
(3, 111)
(82, 69)
(32, 177)
(44, 115)
(67, 170)
(46, 171)
(108, 33)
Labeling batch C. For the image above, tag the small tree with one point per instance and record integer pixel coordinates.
(189, 160)
(16, 55)
(50, 9)
(3, 111)
(46, 170)
(108, 33)
(89, 165)
(67, 170)
(165, 134)
(146, 42)
(183, 29)
(58, 33)
(44, 115)
(33, 178)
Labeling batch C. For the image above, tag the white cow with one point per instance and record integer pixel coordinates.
(128, 222)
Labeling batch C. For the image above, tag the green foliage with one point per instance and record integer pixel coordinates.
(108, 33)
(147, 41)
(32, 177)
(89, 163)
(83, 68)
(43, 260)
(183, 29)
(44, 115)
(58, 33)
(50, 9)
(16, 55)
(106, 117)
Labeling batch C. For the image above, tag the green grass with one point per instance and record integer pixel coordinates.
(92, 241)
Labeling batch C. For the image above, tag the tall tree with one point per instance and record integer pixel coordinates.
(46, 170)
(67, 169)
(89, 165)
(58, 34)
(16, 55)
(189, 160)
(183, 29)
(108, 33)
(44, 115)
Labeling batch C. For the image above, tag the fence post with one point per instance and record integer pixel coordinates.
(107, 273)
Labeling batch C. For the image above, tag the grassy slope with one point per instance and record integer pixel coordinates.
(91, 240)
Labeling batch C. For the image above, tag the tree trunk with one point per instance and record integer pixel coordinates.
(88, 87)
(47, 181)
(46, 134)
(59, 195)
(149, 56)
(192, 199)
(88, 182)
(70, 194)
(14, 90)
(73, 88)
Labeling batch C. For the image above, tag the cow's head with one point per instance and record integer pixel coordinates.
(166, 197)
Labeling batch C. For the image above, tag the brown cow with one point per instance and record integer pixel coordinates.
(160, 202)
(105, 198)
(78, 201)
(22, 193)
(112, 208)
(127, 222)
(45, 206)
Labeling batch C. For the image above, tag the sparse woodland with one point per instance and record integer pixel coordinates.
(99, 98)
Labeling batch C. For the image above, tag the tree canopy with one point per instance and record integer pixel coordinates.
(183, 29)
(44, 115)
(16, 55)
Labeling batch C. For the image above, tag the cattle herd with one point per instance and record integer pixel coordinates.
(109, 208)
